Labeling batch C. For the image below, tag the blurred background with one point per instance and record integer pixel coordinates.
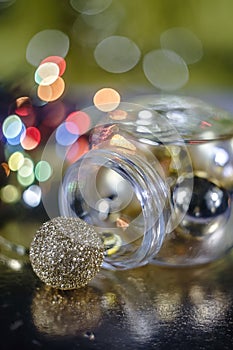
(157, 47)
(204, 41)
(182, 47)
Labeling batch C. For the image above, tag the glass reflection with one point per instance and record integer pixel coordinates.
(62, 313)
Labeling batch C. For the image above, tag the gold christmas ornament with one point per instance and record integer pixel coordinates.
(66, 253)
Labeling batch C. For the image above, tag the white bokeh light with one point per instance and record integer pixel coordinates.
(184, 42)
(46, 43)
(165, 69)
(117, 54)
(90, 7)
(32, 196)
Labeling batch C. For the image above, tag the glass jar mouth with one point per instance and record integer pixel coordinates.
(137, 239)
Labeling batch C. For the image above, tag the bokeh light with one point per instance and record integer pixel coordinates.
(26, 180)
(117, 54)
(37, 102)
(77, 150)
(32, 196)
(184, 42)
(23, 106)
(14, 141)
(57, 60)
(221, 157)
(46, 43)
(80, 120)
(63, 136)
(6, 168)
(145, 115)
(51, 92)
(12, 126)
(15, 161)
(26, 168)
(90, 7)
(30, 139)
(43, 171)
(10, 194)
(106, 99)
(118, 114)
(90, 30)
(110, 17)
(47, 73)
(165, 69)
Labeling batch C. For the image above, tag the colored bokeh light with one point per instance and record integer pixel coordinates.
(43, 171)
(48, 77)
(46, 43)
(15, 161)
(26, 180)
(107, 99)
(10, 194)
(12, 126)
(63, 136)
(23, 106)
(26, 168)
(32, 196)
(30, 139)
(12, 129)
(47, 73)
(79, 148)
(14, 141)
(6, 168)
(58, 60)
(72, 127)
(37, 102)
(51, 92)
(118, 114)
(78, 120)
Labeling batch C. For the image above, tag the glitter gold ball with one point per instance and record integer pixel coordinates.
(66, 253)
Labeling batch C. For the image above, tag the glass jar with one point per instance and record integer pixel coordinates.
(155, 182)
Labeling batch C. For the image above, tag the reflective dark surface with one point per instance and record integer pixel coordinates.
(145, 308)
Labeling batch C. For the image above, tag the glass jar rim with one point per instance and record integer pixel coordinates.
(194, 119)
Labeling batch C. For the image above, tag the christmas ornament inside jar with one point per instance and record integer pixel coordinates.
(156, 182)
